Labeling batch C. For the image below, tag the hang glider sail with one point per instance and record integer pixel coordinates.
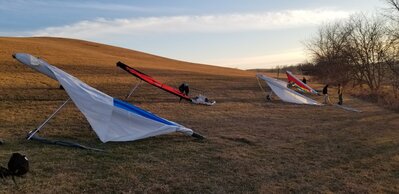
(142, 76)
(299, 83)
(285, 94)
(111, 119)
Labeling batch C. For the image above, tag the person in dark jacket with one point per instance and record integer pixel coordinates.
(325, 94)
(304, 80)
(340, 98)
(183, 88)
(290, 84)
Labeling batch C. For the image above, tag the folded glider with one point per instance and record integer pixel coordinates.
(285, 94)
(299, 83)
(142, 76)
(110, 118)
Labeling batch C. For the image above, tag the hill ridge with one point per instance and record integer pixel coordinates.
(87, 52)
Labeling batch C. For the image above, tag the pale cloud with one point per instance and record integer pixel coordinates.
(288, 57)
(101, 27)
(122, 30)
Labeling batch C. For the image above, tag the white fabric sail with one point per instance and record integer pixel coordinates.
(110, 118)
(285, 94)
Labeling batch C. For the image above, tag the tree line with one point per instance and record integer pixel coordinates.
(362, 50)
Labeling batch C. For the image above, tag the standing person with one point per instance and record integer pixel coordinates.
(290, 84)
(304, 80)
(340, 90)
(325, 93)
(269, 96)
(183, 88)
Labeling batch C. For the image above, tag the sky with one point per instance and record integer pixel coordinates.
(244, 34)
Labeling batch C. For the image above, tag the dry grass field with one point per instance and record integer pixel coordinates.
(252, 146)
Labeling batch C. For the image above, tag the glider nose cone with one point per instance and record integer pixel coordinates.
(34, 63)
(13, 55)
(27, 59)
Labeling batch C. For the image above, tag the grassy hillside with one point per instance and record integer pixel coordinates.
(251, 146)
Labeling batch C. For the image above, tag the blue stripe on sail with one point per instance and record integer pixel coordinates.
(131, 108)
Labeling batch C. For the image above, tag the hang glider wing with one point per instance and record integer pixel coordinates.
(280, 89)
(299, 83)
(110, 118)
(152, 81)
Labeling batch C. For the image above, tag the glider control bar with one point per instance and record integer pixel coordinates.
(197, 135)
(63, 143)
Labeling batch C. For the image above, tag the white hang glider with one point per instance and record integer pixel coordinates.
(110, 118)
(285, 94)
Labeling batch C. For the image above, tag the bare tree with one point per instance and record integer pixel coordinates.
(362, 50)
(394, 4)
(357, 50)
(392, 13)
(393, 64)
(328, 50)
(393, 58)
(369, 46)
